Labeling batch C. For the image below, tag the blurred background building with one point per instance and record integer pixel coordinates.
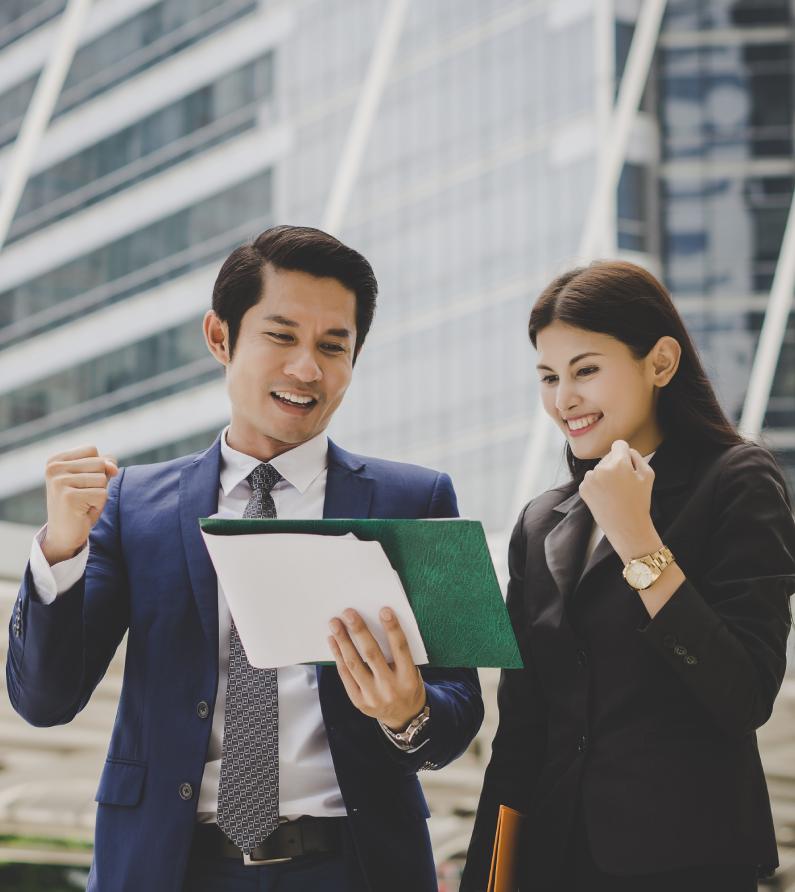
(459, 144)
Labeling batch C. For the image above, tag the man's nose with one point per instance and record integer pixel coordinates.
(303, 366)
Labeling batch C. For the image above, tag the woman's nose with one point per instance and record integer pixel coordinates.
(565, 398)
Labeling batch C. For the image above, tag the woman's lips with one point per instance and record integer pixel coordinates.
(591, 422)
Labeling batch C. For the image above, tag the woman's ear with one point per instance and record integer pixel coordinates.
(665, 356)
(216, 335)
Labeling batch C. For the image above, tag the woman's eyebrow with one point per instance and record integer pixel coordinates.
(571, 361)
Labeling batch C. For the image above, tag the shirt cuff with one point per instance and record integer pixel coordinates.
(51, 581)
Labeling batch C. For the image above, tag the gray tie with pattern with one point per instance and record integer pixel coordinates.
(248, 792)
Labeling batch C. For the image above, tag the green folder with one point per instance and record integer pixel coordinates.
(446, 571)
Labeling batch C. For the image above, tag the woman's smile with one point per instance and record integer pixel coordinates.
(578, 426)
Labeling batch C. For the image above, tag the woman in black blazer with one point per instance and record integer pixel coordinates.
(629, 739)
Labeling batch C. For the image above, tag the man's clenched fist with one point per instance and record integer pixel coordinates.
(77, 489)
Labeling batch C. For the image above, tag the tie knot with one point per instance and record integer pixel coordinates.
(263, 478)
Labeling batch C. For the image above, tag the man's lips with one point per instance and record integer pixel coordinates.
(293, 402)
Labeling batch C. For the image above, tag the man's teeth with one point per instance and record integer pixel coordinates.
(576, 424)
(294, 398)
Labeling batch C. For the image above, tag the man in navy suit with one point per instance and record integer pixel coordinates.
(311, 772)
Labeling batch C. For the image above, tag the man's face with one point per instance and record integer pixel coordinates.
(292, 362)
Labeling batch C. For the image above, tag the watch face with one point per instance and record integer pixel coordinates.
(639, 575)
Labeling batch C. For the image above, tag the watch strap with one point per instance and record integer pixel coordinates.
(406, 740)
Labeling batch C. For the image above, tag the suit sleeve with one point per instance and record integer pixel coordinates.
(724, 631)
(59, 652)
(519, 747)
(456, 705)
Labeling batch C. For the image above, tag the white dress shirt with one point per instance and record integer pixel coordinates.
(307, 781)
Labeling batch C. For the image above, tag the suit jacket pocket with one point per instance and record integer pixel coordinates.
(121, 783)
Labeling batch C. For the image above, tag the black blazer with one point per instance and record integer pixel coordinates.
(647, 726)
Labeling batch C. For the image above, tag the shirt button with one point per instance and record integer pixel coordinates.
(669, 641)
(202, 709)
(185, 791)
(680, 651)
(582, 744)
(582, 658)
(690, 660)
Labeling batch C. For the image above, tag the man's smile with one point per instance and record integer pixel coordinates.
(293, 402)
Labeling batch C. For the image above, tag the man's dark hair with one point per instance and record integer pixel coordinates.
(239, 285)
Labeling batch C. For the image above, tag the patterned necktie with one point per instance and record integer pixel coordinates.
(248, 792)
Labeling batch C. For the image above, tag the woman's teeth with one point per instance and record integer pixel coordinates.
(577, 424)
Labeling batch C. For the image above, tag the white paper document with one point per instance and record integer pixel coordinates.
(283, 588)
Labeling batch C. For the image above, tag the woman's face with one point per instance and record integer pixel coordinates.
(596, 391)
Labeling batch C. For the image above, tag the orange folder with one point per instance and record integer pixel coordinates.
(504, 869)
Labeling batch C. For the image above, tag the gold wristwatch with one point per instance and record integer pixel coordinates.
(643, 572)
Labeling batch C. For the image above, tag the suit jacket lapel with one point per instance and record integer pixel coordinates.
(349, 493)
(349, 490)
(198, 497)
(565, 544)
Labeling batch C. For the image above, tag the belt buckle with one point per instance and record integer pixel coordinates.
(256, 862)
(248, 861)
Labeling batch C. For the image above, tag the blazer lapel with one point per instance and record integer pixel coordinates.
(349, 490)
(198, 497)
(349, 493)
(565, 544)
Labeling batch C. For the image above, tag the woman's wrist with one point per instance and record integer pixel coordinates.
(638, 543)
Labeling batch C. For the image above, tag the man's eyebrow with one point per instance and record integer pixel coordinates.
(333, 332)
(572, 361)
(281, 320)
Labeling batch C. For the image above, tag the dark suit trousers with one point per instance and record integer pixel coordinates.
(585, 876)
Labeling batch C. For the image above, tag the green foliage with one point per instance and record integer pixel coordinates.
(42, 878)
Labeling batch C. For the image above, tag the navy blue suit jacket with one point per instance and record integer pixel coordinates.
(149, 574)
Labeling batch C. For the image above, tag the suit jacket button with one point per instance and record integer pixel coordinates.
(202, 709)
(680, 651)
(582, 744)
(691, 660)
(582, 658)
(185, 791)
(669, 641)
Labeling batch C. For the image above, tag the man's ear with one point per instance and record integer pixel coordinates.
(216, 336)
(665, 356)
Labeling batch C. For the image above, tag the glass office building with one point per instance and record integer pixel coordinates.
(187, 126)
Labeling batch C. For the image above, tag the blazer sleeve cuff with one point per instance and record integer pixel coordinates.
(681, 629)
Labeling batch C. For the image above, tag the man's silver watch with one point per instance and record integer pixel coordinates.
(407, 739)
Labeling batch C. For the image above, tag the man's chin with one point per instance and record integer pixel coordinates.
(290, 434)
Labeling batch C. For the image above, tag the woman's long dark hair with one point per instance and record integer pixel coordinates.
(628, 303)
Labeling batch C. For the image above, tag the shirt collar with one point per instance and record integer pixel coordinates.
(299, 466)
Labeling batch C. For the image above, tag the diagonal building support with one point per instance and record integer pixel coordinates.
(364, 114)
(609, 167)
(40, 110)
(771, 337)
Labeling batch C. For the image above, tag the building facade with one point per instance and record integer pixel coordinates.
(187, 126)
(465, 137)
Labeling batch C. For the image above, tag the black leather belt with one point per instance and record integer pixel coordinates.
(291, 839)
